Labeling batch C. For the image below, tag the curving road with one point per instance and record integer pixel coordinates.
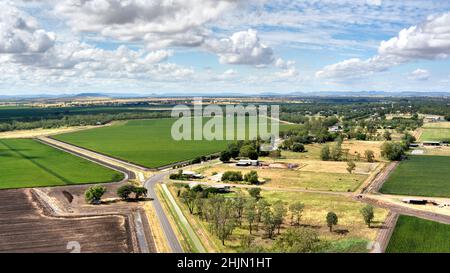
(164, 221)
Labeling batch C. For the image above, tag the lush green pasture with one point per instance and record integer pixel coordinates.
(420, 175)
(435, 134)
(415, 235)
(145, 142)
(28, 163)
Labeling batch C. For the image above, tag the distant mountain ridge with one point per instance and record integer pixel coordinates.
(232, 94)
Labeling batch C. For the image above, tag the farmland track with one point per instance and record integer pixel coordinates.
(385, 233)
(379, 180)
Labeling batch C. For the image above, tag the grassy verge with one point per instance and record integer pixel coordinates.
(187, 243)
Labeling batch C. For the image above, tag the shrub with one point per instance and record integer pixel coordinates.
(325, 153)
(251, 177)
(232, 176)
(225, 156)
(298, 147)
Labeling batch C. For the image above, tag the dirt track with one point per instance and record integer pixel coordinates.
(378, 181)
(23, 228)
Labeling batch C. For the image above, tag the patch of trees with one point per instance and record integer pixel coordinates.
(392, 150)
(78, 120)
(126, 191)
(178, 176)
(236, 176)
(333, 153)
(396, 150)
(243, 149)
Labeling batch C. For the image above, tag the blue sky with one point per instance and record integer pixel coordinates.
(217, 46)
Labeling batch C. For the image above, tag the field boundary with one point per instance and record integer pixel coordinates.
(385, 233)
(127, 174)
(123, 161)
(132, 164)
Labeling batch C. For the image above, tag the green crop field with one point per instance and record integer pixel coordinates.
(145, 142)
(28, 163)
(415, 235)
(435, 134)
(420, 175)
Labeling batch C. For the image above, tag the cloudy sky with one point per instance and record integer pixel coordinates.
(216, 46)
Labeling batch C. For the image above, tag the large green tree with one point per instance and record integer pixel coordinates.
(368, 214)
(94, 194)
(332, 220)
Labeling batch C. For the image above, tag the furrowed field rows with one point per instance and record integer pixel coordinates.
(145, 142)
(420, 175)
(413, 235)
(28, 163)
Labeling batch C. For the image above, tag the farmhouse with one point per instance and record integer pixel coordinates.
(432, 118)
(431, 143)
(247, 162)
(334, 129)
(190, 174)
(222, 188)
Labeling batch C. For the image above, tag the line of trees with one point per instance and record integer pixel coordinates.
(93, 195)
(79, 120)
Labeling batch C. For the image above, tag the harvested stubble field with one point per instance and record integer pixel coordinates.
(24, 229)
(29, 163)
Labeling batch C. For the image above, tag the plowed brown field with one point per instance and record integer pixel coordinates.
(23, 228)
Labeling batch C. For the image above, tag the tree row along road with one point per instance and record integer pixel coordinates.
(132, 171)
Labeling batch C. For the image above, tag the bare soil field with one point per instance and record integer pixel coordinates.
(24, 228)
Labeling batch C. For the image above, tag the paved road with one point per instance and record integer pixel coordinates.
(164, 221)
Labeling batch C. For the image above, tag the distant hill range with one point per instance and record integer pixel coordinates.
(232, 94)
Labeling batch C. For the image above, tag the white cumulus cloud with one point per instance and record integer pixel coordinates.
(159, 23)
(243, 47)
(20, 33)
(429, 40)
(420, 75)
